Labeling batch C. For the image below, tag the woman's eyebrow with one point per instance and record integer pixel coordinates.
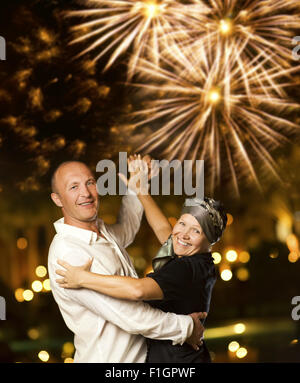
(197, 227)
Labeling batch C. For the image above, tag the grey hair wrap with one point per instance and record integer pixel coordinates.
(210, 215)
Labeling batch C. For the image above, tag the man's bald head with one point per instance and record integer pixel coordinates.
(60, 167)
(75, 192)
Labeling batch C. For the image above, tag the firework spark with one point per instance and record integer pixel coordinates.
(207, 112)
(251, 30)
(142, 27)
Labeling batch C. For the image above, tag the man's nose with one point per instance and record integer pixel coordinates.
(84, 191)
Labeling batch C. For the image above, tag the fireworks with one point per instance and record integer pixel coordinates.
(207, 112)
(251, 31)
(144, 28)
(216, 71)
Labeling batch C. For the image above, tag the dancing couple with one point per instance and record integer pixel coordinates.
(114, 315)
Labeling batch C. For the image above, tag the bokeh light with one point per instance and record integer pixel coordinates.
(244, 257)
(231, 255)
(41, 271)
(33, 333)
(226, 274)
(293, 256)
(239, 328)
(22, 243)
(233, 346)
(43, 356)
(46, 285)
(28, 295)
(241, 352)
(229, 219)
(217, 257)
(242, 274)
(19, 295)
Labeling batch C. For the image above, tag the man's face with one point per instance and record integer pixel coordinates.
(76, 193)
(188, 236)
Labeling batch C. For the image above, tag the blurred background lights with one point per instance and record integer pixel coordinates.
(37, 286)
(41, 271)
(68, 348)
(241, 352)
(68, 360)
(226, 275)
(19, 295)
(46, 284)
(43, 356)
(217, 257)
(244, 257)
(28, 295)
(233, 346)
(293, 256)
(229, 219)
(239, 328)
(274, 254)
(292, 242)
(242, 274)
(231, 255)
(33, 333)
(284, 226)
(22, 243)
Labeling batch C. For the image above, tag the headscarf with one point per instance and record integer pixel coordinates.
(210, 215)
(212, 219)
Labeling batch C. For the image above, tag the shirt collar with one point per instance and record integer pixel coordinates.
(87, 236)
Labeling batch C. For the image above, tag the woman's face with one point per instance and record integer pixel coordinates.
(188, 236)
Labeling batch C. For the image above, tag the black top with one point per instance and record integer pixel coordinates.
(187, 284)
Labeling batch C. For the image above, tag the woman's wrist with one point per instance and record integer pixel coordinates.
(83, 278)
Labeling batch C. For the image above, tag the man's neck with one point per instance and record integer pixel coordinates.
(92, 225)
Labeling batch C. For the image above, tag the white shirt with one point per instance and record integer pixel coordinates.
(106, 330)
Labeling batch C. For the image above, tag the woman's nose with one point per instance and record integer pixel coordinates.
(185, 233)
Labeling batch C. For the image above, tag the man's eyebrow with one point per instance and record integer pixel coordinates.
(72, 183)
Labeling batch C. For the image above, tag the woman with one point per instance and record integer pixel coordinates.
(183, 276)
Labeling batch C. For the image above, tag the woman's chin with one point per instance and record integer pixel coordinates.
(179, 251)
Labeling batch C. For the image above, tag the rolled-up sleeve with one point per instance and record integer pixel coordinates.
(132, 317)
(129, 220)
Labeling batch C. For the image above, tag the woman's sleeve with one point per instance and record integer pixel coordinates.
(174, 279)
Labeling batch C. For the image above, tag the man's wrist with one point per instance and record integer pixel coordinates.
(187, 327)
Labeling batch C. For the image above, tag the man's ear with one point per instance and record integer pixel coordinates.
(55, 198)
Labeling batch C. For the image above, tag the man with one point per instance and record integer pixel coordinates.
(106, 329)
